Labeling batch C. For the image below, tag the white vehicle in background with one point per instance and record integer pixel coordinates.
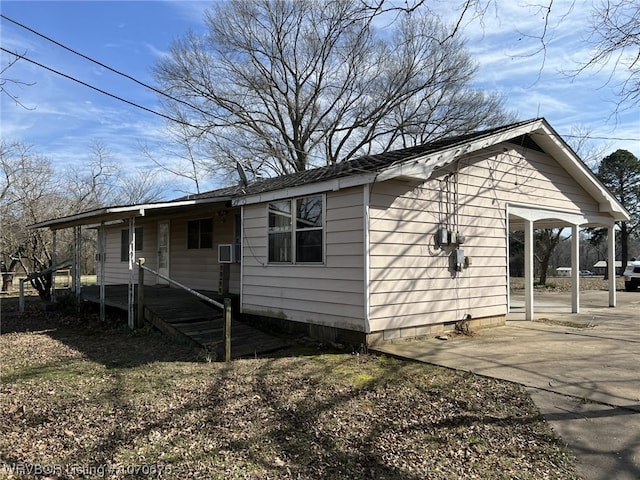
(632, 275)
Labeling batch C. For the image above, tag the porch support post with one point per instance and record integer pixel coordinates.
(77, 255)
(74, 257)
(102, 262)
(78, 271)
(132, 250)
(611, 259)
(528, 269)
(54, 262)
(140, 313)
(575, 269)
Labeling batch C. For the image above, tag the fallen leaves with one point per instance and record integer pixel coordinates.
(95, 395)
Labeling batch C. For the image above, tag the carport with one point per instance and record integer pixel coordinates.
(527, 219)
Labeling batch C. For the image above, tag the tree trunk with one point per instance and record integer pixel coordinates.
(544, 266)
(547, 241)
(43, 286)
(624, 244)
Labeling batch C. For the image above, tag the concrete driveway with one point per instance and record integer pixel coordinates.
(581, 370)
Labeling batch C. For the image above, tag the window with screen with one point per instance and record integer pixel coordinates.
(296, 230)
(200, 233)
(124, 243)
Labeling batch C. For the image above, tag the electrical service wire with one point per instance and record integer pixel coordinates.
(150, 87)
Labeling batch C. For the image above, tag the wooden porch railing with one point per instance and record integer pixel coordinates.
(225, 307)
(51, 270)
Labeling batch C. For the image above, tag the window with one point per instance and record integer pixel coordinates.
(280, 232)
(296, 230)
(124, 243)
(200, 233)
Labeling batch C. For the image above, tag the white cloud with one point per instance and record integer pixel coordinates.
(156, 52)
(190, 10)
(69, 118)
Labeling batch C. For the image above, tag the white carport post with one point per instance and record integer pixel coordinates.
(611, 265)
(132, 252)
(575, 269)
(528, 269)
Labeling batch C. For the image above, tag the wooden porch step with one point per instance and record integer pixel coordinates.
(192, 321)
(208, 333)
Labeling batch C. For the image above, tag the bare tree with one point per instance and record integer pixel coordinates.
(615, 42)
(590, 152)
(93, 184)
(546, 240)
(613, 37)
(280, 86)
(185, 158)
(5, 81)
(29, 195)
(140, 186)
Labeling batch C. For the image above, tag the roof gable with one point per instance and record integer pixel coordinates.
(420, 162)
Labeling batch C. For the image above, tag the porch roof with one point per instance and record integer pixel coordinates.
(117, 213)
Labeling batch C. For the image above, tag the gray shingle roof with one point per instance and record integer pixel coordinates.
(360, 165)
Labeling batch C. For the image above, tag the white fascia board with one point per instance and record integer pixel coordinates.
(562, 153)
(423, 167)
(550, 141)
(303, 190)
(112, 213)
(535, 214)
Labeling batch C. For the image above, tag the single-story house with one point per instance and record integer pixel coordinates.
(400, 244)
(563, 271)
(601, 266)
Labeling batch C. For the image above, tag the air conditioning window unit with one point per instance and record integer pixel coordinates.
(229, 253)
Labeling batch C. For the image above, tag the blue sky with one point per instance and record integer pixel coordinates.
(64, 119)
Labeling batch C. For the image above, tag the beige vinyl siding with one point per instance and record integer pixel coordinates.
(537, 180)
(331, 294)
(411, 282)
(116, 271)
(198, 268)
(195, 268)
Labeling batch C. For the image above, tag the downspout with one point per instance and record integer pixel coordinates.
(366, 253)
(241, 257)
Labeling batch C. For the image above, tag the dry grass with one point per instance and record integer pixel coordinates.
(79, 394)
(563, 284)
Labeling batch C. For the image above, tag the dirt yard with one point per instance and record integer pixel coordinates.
(82, 398)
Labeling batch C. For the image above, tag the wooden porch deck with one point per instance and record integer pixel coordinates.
(186, 318)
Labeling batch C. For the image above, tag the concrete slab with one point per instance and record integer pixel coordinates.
(582, 371)
(605, 439)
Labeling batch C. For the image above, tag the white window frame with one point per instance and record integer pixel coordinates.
(294, 230)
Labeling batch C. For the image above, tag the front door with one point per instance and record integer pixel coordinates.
(163, 250)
